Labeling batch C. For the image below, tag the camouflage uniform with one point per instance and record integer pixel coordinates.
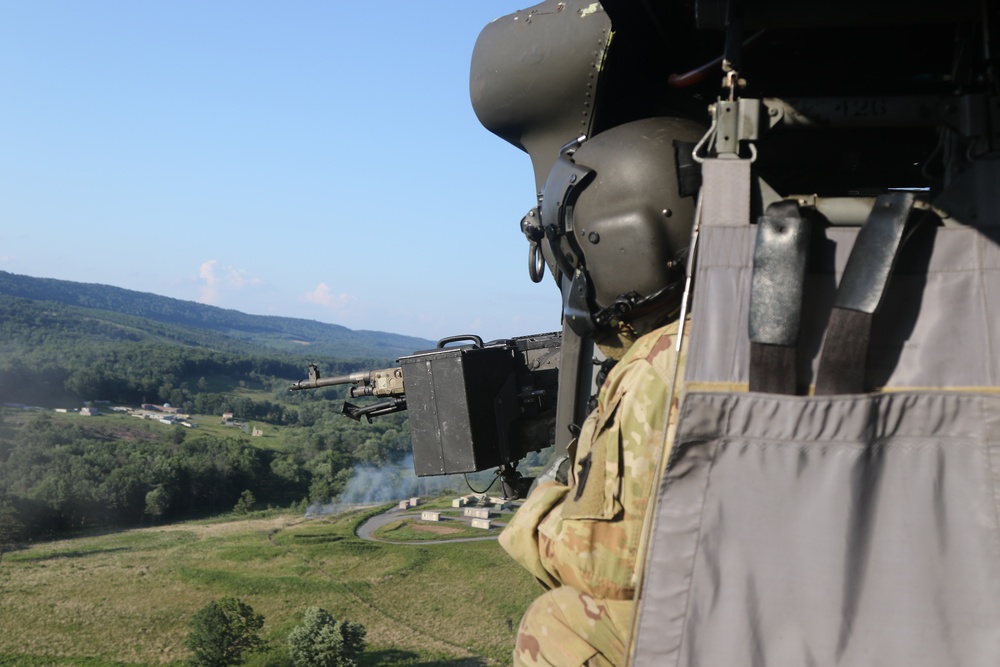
(582, 539)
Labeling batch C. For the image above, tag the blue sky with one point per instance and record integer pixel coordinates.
(306, 159)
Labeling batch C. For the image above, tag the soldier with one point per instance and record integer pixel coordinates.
(580, 529)
(580, 536)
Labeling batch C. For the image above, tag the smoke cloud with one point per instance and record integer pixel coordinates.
(370, 485)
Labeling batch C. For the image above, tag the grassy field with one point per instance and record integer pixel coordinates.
(415, 530)
(209, 425)
(125, 598)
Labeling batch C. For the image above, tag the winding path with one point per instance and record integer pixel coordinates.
(365, 531)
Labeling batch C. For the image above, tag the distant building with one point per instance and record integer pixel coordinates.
(89, 412)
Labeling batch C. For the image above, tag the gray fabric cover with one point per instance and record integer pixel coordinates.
(934, 327)
(850, 530)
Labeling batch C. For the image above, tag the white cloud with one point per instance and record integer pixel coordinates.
(210, 290)
(217, 279)
(325, 297)
(240, 278)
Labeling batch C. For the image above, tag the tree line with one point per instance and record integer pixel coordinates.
(57, 475)
(133, 373)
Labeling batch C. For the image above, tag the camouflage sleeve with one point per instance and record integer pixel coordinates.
(520, 537)
(587, 535)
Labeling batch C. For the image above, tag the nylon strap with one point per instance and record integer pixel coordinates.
(843, 361)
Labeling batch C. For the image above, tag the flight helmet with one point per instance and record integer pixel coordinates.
(616, 214)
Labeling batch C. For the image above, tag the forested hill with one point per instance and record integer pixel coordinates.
(142, 316)
(66, 345)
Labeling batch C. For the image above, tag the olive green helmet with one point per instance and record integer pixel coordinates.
(617, 214)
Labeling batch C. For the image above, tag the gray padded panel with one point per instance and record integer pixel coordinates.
(855, 530)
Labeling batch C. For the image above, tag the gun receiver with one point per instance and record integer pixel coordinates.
(383, 382)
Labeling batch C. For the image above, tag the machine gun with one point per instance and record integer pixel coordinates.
(384, 382)
(472, 406)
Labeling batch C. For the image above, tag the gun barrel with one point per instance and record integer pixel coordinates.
(315, 383)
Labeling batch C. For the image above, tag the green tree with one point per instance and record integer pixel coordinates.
(322, 641)
(10, 528)
(223, 631)
(158, 502)
(245, 504)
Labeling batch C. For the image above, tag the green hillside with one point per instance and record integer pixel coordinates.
(125, 598)
(141, 315)
(66, 343)
(62, 348)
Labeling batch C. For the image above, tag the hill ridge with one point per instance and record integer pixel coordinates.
(300, 337)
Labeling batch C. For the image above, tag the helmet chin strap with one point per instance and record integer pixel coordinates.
(633, 307)
(639, 313)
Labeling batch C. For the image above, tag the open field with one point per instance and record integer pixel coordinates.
(412, 529)
(209, 425)
(125, 598)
